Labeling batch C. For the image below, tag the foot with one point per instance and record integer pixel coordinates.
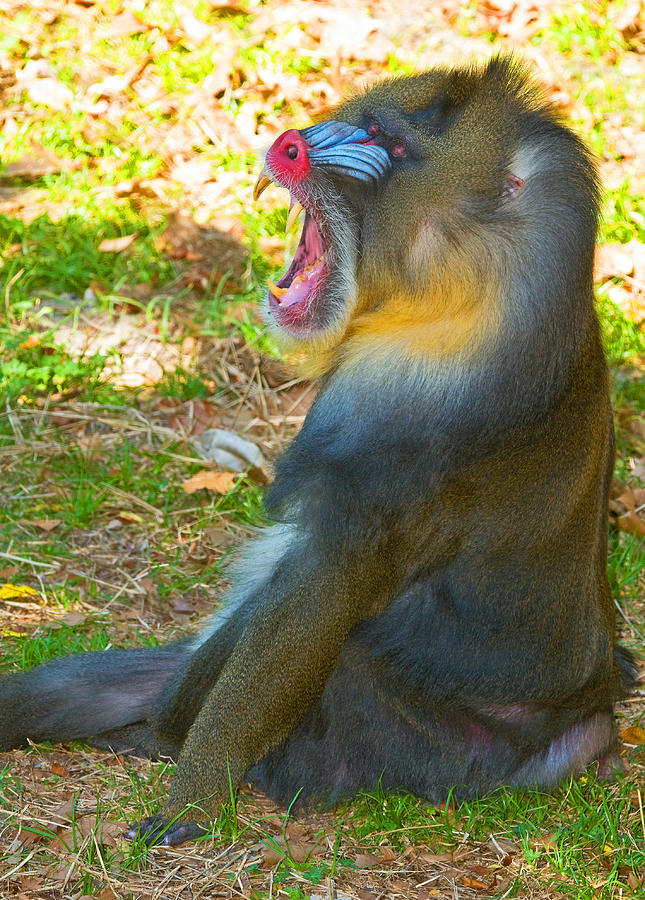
(610, 767)
(159, 830)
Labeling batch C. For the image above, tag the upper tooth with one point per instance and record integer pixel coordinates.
(261, 184)
(294, 212)
(277, 292)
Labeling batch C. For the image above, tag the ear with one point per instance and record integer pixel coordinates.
(513, 184)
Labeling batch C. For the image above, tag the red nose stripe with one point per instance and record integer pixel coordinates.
(287, 157)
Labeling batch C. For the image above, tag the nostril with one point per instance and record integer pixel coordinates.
(289, 156)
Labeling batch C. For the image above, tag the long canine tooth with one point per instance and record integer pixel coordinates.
(261, 184)
(294, 212)
(275, 290)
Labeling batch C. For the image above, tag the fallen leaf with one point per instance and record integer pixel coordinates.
(299, 851)
(637, 426)
(31, 883)
(181, 605)
(218, 537)
(481, 870)
(16, 591)
(123, 25)
(619, 259)
(129, 518)
(197, 31)
(32, 341)
(632, 524)
(44, 524)
(34, 165)
(632, 499)
(547, 842)
(220, 482)
(59, 770)
(271, 857)
(364, 860)
(633, 735)
(116, 245)
(28, 838)
(432, 858)
(233, 452)
(50, 92)
(476, 884)
(72, 618)
(194, 417)
(62, 814)
(107, 893)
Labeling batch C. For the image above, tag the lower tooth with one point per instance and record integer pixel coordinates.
(294, 212)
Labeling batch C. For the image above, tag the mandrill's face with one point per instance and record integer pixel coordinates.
(325, 168)
(386, 184)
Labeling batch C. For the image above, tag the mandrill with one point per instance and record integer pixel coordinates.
(431, 609)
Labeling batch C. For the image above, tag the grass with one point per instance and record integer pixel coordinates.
(95, 444)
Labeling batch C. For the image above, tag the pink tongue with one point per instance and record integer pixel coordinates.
(302, 285)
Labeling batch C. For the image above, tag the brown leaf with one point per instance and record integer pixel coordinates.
(31, 883)
(633, 735)
(193, 417)
(44, 524)
(62, 814)
(197, 31)
(476, 884)
(107, 893)
(299, 851)
(181, 605)
(632, 499)
(220, 482)
(72, 618)
(271, 857)
(546, 842)
(628, 18)
(430, 858)
(363, 860)
(481, 870)
(27, 838)
(637, 426)
(631, 524)
(57, 769)
(296, 831)
(117, 245)
(230, 451)
(40, 162)
(49, 92)
(620, 259)
(123, 25)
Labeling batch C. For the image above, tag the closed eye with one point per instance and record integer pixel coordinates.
(396, 146)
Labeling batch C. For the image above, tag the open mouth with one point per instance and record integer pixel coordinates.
(293, 300)
(296, 161)
(302, 281)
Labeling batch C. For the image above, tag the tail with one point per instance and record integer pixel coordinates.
(82, 695)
